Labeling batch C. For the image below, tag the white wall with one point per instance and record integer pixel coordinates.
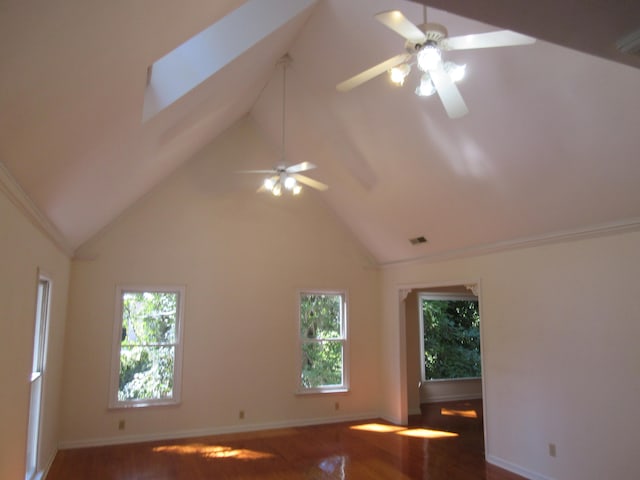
(561, 358)
(242, 257)
(23, 250)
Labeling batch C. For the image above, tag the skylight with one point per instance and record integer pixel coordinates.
(207, 52)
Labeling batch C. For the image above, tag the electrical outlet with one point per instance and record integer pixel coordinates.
(121, 424)
(552, 449)
(241, 415)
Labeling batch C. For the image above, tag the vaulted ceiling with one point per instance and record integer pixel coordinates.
(549, 149)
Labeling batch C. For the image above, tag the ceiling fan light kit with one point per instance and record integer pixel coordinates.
(424, 46)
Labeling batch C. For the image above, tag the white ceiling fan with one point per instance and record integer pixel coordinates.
(282, 178)
(424, 46)
(286, 178)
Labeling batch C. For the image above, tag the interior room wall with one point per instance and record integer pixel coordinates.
(24, 250)
(560, 333)
(414, 375)
(242, 257)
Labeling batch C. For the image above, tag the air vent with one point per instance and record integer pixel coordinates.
(417, 240)
(630, 44)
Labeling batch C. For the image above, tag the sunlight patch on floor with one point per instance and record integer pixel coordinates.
(213, 451)
(459, 413)
(377, 427)
(426, 433)
(407, 432)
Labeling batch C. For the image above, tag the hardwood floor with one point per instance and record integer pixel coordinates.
(445, 442)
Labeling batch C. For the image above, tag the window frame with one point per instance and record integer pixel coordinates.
(442, 296)
(344, 340)
(114, 402)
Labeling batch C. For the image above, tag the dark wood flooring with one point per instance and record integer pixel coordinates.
(444, 443)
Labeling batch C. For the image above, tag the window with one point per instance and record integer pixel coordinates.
(147, 346)
(37, 375)
(323, 342)
(450, 333)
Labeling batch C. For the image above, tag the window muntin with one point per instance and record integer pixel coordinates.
(147, 346)
(322, 336)
(450, 336)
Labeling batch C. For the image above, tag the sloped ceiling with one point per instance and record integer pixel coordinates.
(550, 147)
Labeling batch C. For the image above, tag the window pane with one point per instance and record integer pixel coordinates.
(146, 373)
(149, 318)
(451, 339)
(321, 364)
(320, 316)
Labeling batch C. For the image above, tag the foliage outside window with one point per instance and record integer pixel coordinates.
(450, 337)
(323, 342)
(147, 347)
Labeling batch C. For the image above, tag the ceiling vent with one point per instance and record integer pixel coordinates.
(630, 44)
(417, 240)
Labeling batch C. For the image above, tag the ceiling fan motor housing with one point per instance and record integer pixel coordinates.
(434, 33)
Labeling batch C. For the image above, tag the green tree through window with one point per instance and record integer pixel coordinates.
(451, 339)
(148, 344)
(322, 337)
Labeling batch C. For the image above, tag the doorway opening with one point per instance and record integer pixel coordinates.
(441, 349)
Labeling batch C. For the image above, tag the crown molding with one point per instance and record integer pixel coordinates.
(14, 192)
(612, 228)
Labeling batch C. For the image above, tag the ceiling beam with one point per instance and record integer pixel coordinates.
(591, 27)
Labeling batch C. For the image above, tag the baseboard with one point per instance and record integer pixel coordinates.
(254, 427)
(45, 471)
(513, 468)
(450, 398)
(47, 467)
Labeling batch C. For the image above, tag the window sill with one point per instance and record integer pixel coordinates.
(442, 380)
(149, 404)
(322, 391)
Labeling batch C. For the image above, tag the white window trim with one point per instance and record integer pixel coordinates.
(38, 378)
(440, 296)
(114, 403)
(344, 387)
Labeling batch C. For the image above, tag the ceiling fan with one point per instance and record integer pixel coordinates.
(286, 178)
(282, 178)
(424, 46)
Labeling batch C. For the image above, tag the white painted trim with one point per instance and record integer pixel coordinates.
(45, 471)
(611, 228)
(222, 430)
(14, 192)
(333, 389)
(113, 402)
(512, 467)
(452, 398)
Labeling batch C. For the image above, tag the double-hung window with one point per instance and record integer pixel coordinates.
(147, 346)
(322, 335)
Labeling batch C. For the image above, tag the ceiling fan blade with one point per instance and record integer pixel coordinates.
(449, 94)
(372, 72)
(310, 182)
(396, 21)
(500, 38)
(300, 167)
